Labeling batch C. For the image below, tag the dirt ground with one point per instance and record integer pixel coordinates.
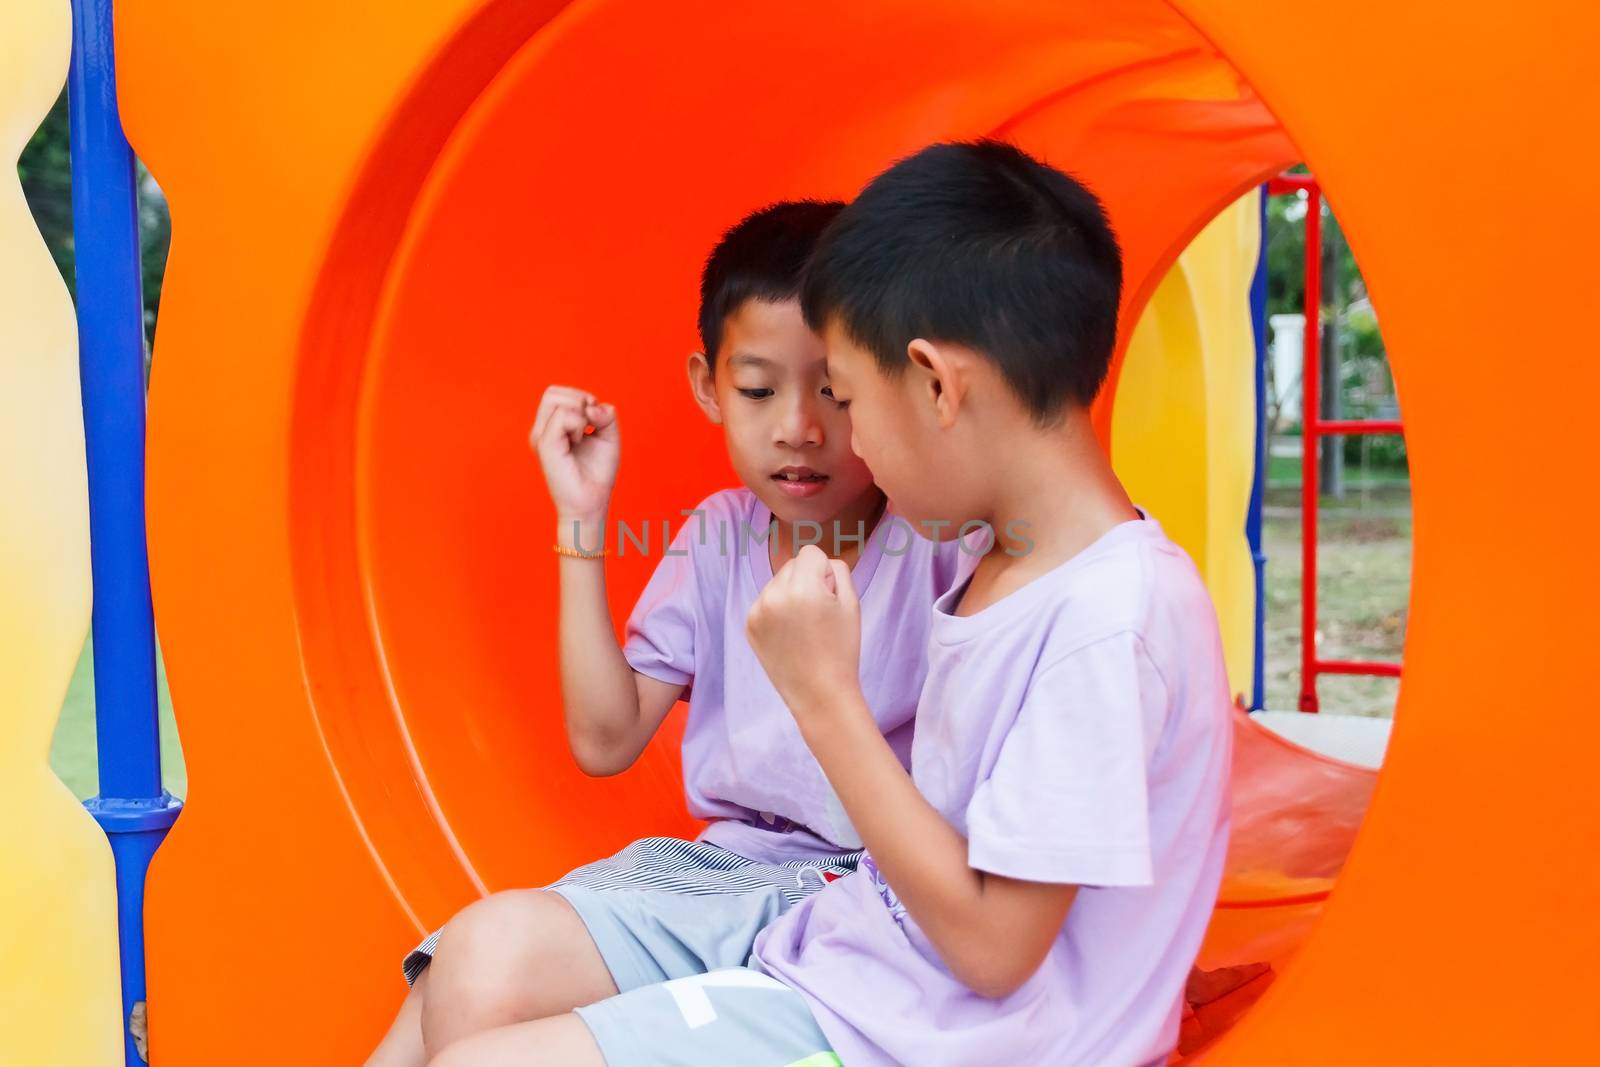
(1363, 585)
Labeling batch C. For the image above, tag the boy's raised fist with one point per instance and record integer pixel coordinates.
(580, 467)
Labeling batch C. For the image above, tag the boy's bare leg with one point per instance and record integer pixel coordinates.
(402, 1045)
(562, 1041)
(510, 958)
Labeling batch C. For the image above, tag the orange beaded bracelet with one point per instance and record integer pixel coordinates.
(578, 553)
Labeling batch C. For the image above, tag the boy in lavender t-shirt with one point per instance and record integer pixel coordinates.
(745, 766)
(1037, 886)
(777, 833)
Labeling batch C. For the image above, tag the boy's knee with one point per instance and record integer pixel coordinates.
(497, 933)
(492, 957)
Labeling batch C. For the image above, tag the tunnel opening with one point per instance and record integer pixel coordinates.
(499, 240)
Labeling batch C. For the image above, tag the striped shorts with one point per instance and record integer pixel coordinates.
(690, 868)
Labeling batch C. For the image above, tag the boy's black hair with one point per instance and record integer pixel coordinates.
(761, 258)
(977, 244)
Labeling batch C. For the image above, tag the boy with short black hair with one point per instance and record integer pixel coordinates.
(776, 832)
(1036, 888)
(1039, 894)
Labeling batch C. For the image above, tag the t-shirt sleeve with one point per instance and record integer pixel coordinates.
(1067, 799)
(659, 638)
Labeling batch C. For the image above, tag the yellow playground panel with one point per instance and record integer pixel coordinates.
(59, 993)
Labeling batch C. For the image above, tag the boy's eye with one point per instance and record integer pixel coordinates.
(827, 391)
(756, 394)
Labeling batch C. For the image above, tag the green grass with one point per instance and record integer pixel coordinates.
(72, 753)
(1283, 472)
(1363, 588)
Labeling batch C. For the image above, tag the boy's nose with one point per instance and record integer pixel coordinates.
(800, 426)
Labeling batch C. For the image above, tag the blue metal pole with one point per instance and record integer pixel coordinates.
(132, 807)
(1252, 525)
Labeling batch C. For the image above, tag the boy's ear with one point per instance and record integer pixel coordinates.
(704, 387)
(939, 377)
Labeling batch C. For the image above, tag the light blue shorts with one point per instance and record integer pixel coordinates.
(648, 936)
(729, 1018)
(687, 999)
(738, 895)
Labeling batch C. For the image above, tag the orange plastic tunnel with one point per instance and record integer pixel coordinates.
(395, 223)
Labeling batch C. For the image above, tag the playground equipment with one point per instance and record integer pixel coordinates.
(58, 900)
(1314, 427)
(393, 225)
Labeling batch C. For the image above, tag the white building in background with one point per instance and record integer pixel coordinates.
(1288, 348)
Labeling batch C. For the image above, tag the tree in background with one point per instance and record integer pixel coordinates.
(45, 170)
(1366, 386)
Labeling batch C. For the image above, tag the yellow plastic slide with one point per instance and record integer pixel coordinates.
(59, 993)
(1183, 429)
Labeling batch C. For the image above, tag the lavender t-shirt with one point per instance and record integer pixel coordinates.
(745, 765)
(1077, 732)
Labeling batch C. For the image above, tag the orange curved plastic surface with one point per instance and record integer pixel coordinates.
(391, 232)
(1295, 818)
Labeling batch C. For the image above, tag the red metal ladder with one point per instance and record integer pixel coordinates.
(1316, 428)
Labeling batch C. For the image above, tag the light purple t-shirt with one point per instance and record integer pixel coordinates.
(745, 765)
(1076, 732)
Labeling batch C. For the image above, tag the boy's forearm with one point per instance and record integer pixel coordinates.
(599, 695)
(921, 856)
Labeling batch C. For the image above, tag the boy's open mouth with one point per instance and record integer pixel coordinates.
(800, 481)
